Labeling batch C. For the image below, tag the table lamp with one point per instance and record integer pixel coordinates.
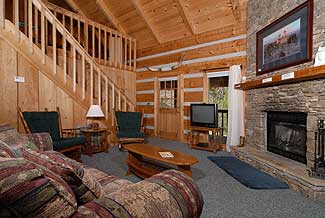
(95, 112)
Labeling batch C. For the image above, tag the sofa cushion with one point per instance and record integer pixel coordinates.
(109, 183)
(93, 210)
(84, 186)
(12, 138)
(29, 191)
(68, 142)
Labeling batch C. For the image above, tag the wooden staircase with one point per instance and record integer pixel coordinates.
(108, 46)
(51, 48)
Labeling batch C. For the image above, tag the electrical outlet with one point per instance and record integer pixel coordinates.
(19, 79)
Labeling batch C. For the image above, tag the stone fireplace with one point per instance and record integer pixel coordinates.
(287, 134)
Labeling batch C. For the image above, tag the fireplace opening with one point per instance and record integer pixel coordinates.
(287, 134)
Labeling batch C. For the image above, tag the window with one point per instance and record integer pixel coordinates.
(218, 94)
(168, 94)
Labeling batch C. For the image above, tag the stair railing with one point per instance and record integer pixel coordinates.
(91, 81)
(108, 46)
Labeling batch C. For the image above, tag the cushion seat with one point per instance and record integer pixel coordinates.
(64, 143)
(127, 134)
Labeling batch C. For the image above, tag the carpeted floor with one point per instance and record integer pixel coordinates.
(224, 196)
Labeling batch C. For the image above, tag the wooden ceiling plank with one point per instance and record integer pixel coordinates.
(185, 15)
(148, 23)
(110, 16)
(75, 7)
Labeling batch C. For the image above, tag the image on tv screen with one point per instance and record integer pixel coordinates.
(203, 114)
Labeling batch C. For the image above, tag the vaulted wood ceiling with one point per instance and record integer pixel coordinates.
(153, 22)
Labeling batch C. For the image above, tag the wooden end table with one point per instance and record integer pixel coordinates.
(96, 140)
(213, 146)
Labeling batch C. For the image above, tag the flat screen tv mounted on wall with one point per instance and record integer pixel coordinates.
(204, 115)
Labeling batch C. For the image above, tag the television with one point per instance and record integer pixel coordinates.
(204, 115)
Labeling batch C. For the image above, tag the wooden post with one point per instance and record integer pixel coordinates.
(125, 53)
(74, 67)
(99, 44)
(134, 56)
(43, 34)
(115, 49)
(64, 45)
(106, 97)
(91, 83)
(54, 45)
(86, 35)
(83, 77)
(30, 24)
(79, 31)
(71, 25)
(130, 54)
(99, 88)
(110, 48)
(120, 49)
(105, 47)
(16, 18)
(113, 104)
(2, 13)
(113, 96)
(93, 40)
(119, 99)
(36, 25)
(181, 105)
(25, 17)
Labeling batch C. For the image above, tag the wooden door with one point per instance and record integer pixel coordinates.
(169, 113)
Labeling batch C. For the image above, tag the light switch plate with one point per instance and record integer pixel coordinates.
(19, 79)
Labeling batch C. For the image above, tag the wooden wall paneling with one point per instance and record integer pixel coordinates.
(193, 82)
(145, 98)
(47, 93)
(213, 50)
(145, 86)
(27, 91)
(186, 110)
(65, 103)
(79, 115)
(147, 109)
(193, 96)
(149, 121)
(8, 92)
(196, 67)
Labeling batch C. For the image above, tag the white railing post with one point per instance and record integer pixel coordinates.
(105, 47)
(134, 55)
(106, 97)
(99, 88)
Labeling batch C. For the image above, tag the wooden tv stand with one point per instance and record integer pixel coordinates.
(194, 138)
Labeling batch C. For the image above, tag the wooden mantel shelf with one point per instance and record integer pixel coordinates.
(310, 73)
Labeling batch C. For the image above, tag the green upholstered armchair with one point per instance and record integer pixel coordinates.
(50, 122)
(129, 127)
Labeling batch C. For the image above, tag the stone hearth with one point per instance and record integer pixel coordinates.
(290, 171)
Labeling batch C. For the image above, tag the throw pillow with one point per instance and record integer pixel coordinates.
(84, 186)
(29, 191)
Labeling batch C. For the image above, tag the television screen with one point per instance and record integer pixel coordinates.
(204, 115)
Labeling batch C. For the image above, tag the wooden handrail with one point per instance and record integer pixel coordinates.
(57, 27)
(117, 38)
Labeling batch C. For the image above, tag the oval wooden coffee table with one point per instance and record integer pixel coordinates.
(144, 160)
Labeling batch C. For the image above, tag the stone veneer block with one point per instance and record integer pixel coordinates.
(293, 173)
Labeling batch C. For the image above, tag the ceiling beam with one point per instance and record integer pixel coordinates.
(110, 16)
(75, 7)
(182, 8)
(147, 21)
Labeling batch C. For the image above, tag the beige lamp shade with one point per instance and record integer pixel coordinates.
(95, 111)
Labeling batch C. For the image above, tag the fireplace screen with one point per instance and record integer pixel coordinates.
(286, 134)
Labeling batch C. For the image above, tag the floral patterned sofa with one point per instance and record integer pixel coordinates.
(36, 181)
